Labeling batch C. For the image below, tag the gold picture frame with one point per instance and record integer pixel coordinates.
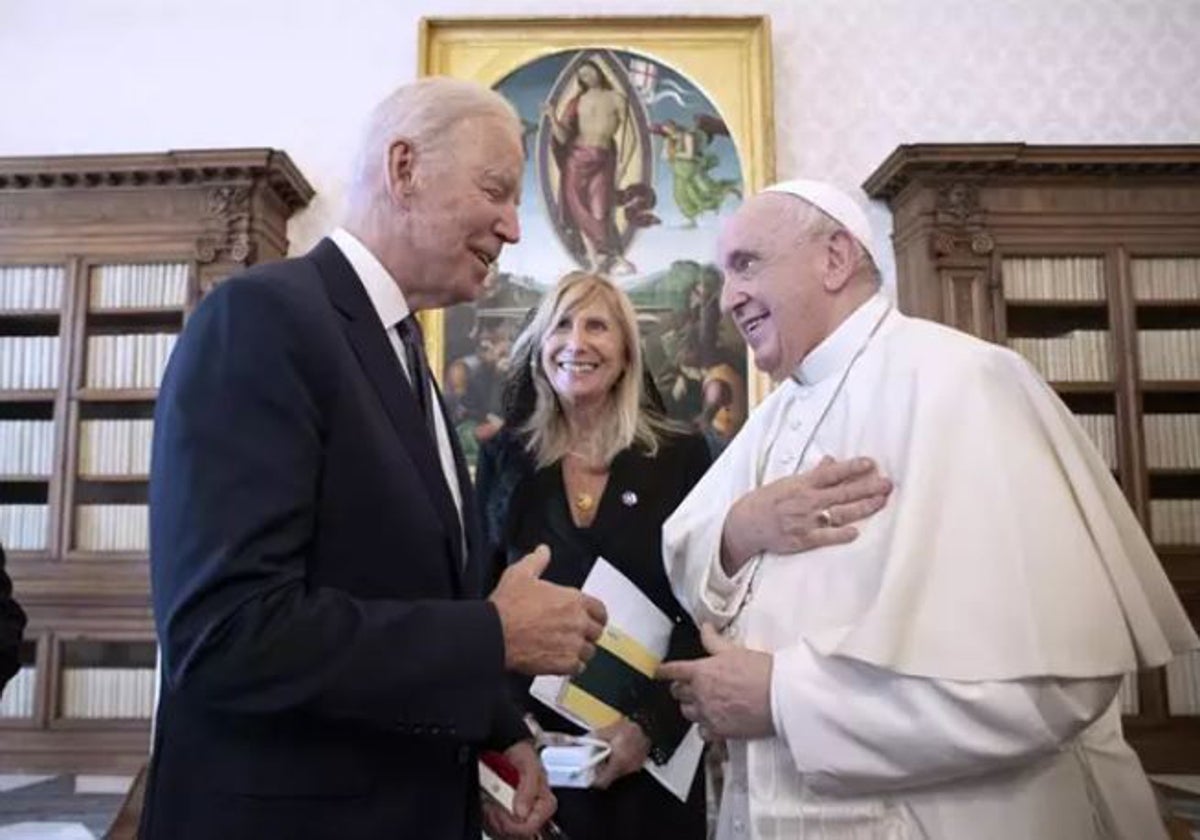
(723, 62)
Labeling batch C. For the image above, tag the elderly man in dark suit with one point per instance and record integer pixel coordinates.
(329, 667)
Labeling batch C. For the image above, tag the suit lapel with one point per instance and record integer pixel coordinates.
(470, 523)
(383, 370)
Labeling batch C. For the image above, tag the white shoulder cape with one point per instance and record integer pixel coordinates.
(1011, 552)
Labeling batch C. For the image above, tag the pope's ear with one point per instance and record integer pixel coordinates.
(841, 253)
(401, 165)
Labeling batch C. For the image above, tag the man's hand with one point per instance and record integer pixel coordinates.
(548, 629)
(728, 694)
(803, 511)
(533, 802)
(630, 748)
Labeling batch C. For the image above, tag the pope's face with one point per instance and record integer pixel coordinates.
(772, 287)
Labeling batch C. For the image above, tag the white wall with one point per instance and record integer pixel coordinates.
(853, 77)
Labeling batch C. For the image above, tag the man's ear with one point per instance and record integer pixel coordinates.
(841, 260)
(401, 166)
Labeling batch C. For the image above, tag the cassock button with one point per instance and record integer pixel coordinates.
(629, 498)
(464, 755)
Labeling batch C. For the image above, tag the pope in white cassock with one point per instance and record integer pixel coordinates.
(928, 583)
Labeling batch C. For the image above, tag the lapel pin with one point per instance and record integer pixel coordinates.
(629, 498)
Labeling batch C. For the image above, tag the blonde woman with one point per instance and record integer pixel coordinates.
(588, 464)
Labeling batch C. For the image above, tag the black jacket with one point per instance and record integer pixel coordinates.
(329, 668)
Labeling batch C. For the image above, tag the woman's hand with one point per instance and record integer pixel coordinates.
(630, 749)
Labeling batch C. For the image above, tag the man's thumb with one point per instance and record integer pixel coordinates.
(536, 561)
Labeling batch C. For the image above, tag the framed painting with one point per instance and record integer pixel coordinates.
(641, 135)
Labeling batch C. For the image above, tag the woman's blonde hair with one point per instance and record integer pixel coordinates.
(626, 421)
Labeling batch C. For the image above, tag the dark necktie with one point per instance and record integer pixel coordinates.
(418, 369)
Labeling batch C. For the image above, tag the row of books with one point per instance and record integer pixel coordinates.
(107, 693)
(115, 447)
(36, 288)
(1077, 356)
(1053, 278)
(1102, 429)
(24, 527)
(26, 447)
(1166, 278)
(1080, 278)
(1172, 440)
(1175, 521)
(112, 527)
(29, 362)
(128, 361)
(1183, 684)
(17, 700)
(145, 285)
(1169, 354)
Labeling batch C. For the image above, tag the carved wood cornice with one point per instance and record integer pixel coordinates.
(215, 168)
(944, 161)
(959, 222)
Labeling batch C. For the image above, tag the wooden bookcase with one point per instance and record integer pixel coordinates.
(1086, 259)
(102, 257)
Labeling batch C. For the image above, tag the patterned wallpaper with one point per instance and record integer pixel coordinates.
(853, 77)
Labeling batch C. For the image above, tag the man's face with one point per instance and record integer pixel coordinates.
(464, 208)
(772, 285)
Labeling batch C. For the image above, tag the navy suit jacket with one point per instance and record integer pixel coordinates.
(328, 666)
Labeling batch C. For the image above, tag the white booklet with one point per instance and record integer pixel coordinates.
(638, 633)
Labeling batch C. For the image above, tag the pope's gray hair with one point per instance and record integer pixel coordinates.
(811, 222)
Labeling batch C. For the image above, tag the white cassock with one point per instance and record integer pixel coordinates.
(952, 672)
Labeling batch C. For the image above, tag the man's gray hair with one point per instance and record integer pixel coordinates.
(424, 112)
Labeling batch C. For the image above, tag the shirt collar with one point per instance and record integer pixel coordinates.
(386, 297)
(835, 352)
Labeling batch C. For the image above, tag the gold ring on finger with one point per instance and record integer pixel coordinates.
(825, 518)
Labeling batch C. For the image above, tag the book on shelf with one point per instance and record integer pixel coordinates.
(29, 362)
(1169, 354)
(135, 360)
(112, 527)
(1077, 356)
(31, 288)
(107, 693)
(1053, 278)
(26, 447)
(1183, 684)
(1172, 441)
(1102, 429)
(1175, 521)
(24, 527)
(115, 447)
(1165, 278)
(17, 699)
(138, 286)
